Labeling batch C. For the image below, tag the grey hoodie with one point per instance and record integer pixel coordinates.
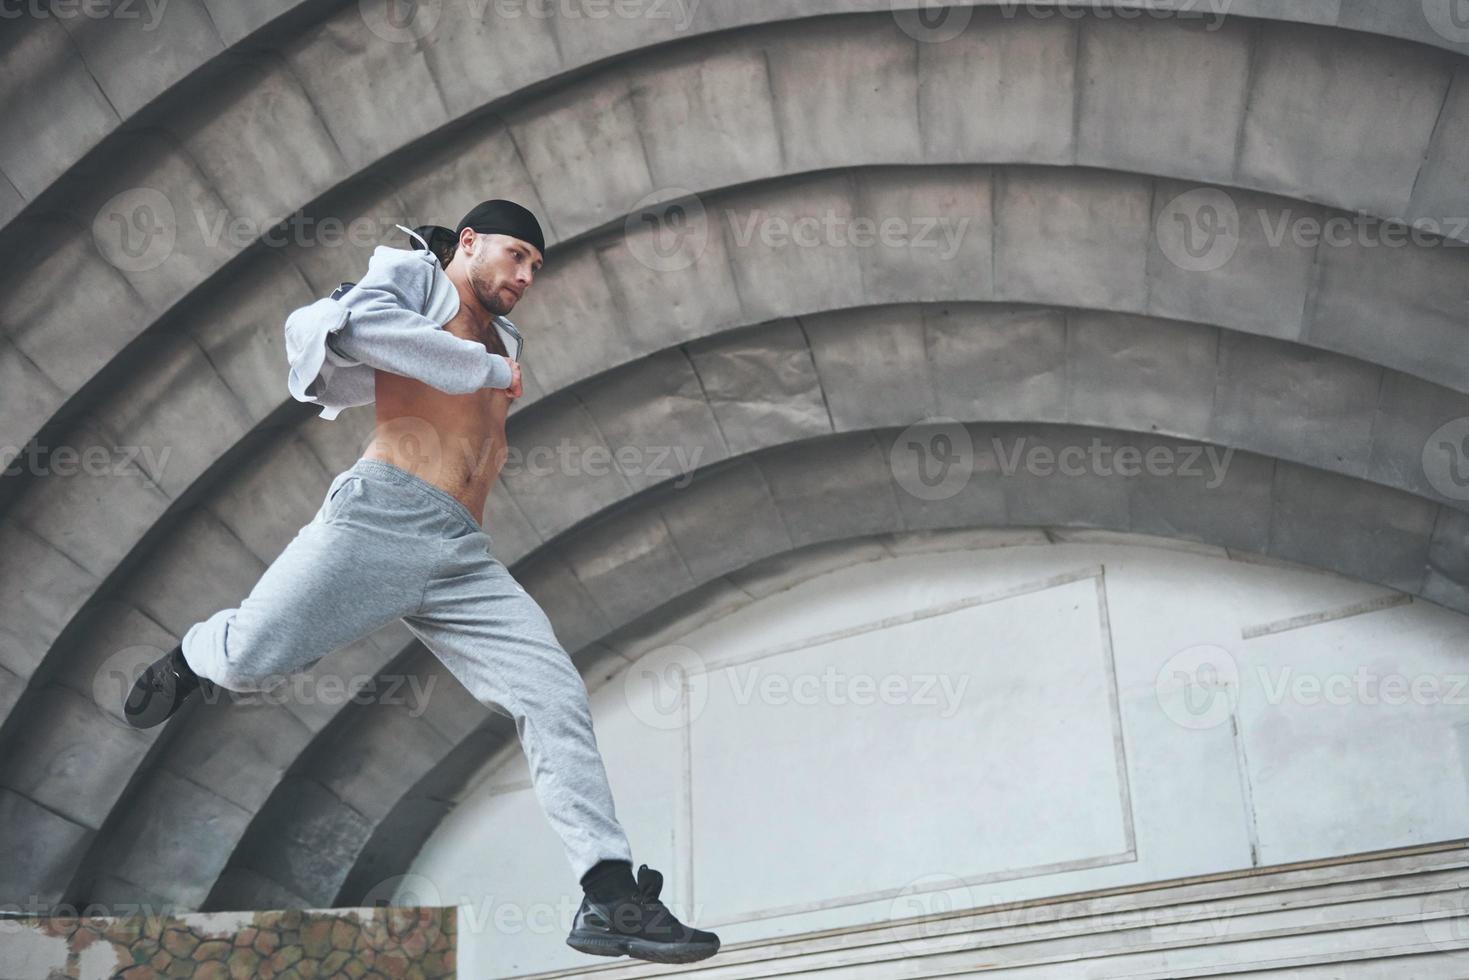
(391, 320)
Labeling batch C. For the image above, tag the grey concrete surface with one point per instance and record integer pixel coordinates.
(830, 489)
(235, 168)
(786, 369)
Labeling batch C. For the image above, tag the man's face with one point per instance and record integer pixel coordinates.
(499, 268)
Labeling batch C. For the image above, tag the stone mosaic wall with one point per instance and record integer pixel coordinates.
(362, 944)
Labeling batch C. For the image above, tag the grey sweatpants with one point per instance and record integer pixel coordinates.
(387, 545)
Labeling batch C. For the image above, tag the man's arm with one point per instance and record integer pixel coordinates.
(384, 330)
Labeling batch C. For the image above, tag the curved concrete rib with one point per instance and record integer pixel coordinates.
(783, 382)
(663, 119)
(1077, 238)
(111, 74)
(615, 571)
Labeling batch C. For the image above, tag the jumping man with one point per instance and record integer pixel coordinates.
(398, 536)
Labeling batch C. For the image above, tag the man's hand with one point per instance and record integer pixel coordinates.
(514, 389)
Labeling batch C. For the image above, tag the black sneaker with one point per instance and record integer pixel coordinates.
(161, 689)
(640, 926)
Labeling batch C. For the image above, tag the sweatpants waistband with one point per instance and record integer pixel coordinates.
(381, 469)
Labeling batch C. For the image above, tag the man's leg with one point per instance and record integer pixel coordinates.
(495, 639)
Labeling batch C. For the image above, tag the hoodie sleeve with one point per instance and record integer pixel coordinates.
(386, 329)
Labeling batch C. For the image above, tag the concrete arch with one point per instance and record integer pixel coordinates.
(1258, 140)
(835, 393)
(76, 531)
(93, 63)
(744, 509)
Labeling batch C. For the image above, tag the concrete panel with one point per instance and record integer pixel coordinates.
(1204, 493)
(670, 274)
(371, 210)
(1448, 551)
(582, 148)
(575, 616)
(69, 334)
(243, 890)
(1322, 125)
(139, 52)
(235, 21)
(199, 570)
(27, 400)
(1002, 90)
(1231, 258)
(782, 247)
(70, 756)
(11, 202)
(997, 363)
(1187, 127)
(304, 841)
(1046, 479)
(628, 564)
(1081, 240)
(479, 54)
(1330, 402)
(373, 95)
(868, 70)
(1406, 433)
(565, 472)
(46, 127)
(383, 748)
(827, 489)
(1441, 196)
(655, 412)
(182, 411)
(1402, 307)
(477, 164)
(1131, 372)
(35, 605)
(238, 747)
(706, 117)
(241, 331)
(97, 499)
(146, 849)
(154, 216)
(872, 365)
(340, 442)
(511, 535)
(723, 520)
(588, 30)
(761, 385)
(239, 140)
(41, 849)
(943, 477)
(574, 323)
(926, 236)
(1331, 522)
(266, 505)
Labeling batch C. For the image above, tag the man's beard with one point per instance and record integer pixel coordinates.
(492, 299)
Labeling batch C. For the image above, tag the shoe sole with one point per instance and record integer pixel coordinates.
(641, 949)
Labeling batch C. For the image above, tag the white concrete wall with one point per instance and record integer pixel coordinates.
(1056, 718)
